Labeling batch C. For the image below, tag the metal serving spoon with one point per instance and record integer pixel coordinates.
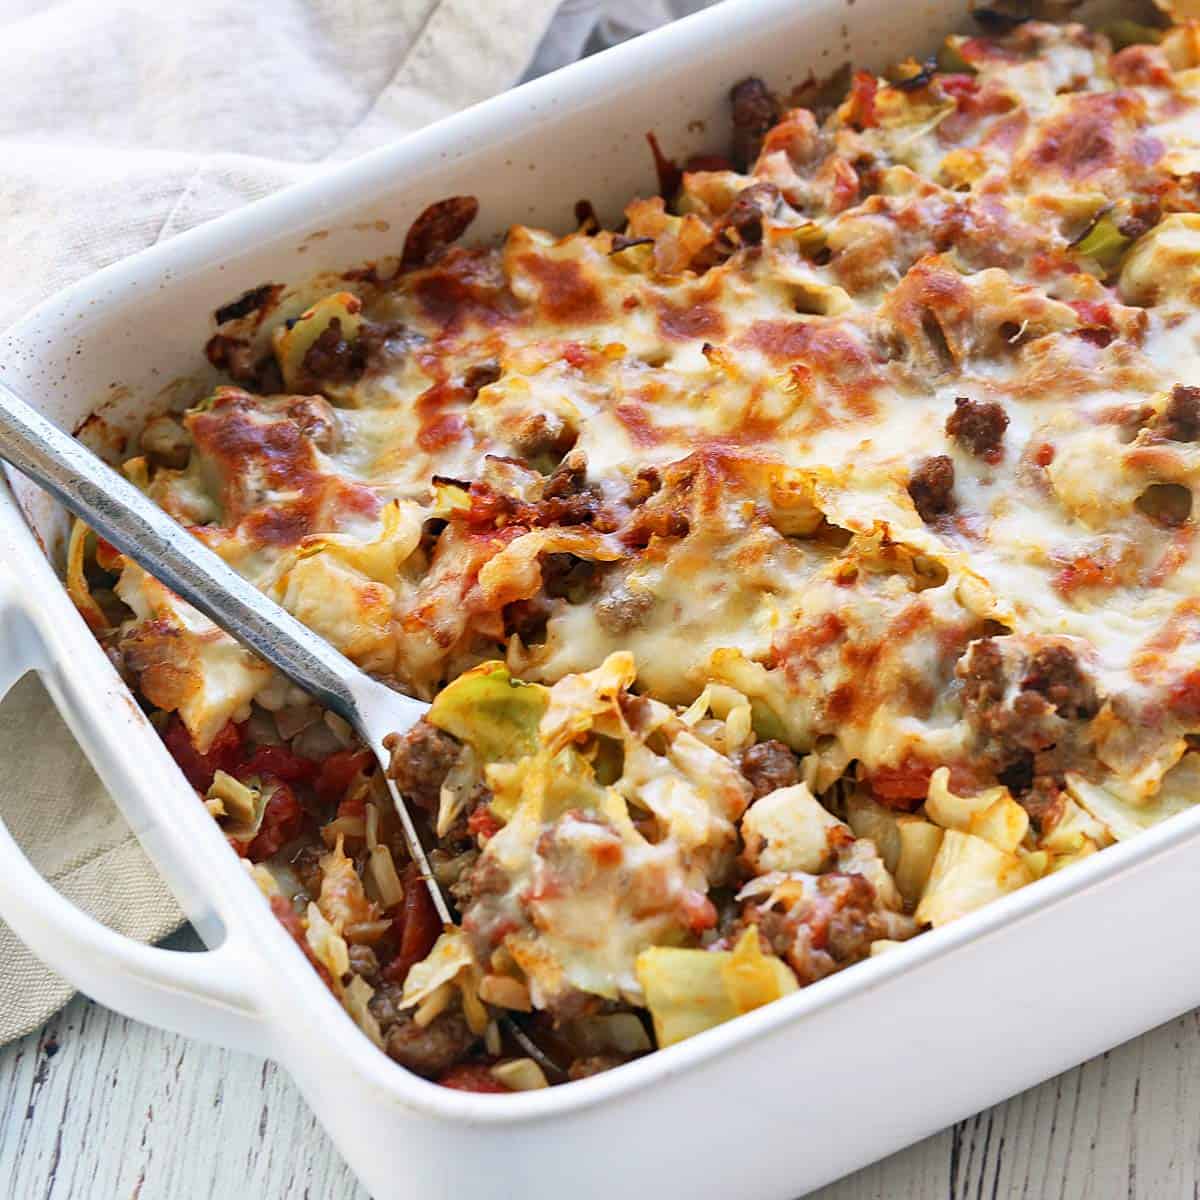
(137, 527)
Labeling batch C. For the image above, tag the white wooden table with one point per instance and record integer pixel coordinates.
(96, 1107)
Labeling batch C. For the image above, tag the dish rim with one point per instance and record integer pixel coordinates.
(225, 239)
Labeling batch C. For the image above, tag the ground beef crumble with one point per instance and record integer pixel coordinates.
(1180, 421)
(754, 112)
(1054, 672)
(421, 760)
(426, 1050)
(931, 487)
(823, 934)
(332, 358)
(769, 765)
(1024, 699)
(746, 214)
(979, 427)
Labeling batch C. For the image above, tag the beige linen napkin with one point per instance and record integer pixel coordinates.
(121, 125)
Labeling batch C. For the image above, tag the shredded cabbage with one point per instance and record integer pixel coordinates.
(450, 956)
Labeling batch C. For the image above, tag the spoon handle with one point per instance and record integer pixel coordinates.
(137, 527)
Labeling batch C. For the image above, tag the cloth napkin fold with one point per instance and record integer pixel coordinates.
(127, 122)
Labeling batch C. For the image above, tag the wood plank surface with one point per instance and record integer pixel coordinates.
(97, 1107)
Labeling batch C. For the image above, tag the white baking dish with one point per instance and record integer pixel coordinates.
(764, 1108)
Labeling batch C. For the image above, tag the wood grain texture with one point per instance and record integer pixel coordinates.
(96, 1107)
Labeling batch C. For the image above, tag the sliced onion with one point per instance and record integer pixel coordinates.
(505, 992)
(293, 718)
(473, 1008)
(491, 1039)
(520, 1074)
(346, 827)
(608, 1033)
(356, 1001)
(340, 728)
(316, 741)
(366, 933)
(383, 875)
(433, 1005)
(77, 584)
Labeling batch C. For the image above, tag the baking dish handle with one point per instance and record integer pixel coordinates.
(198, 994)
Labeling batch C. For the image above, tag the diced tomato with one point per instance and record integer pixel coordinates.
(338, 770)
(978, 51)
(471, 1077)
(905, 787)
(1086, 571)
(108, 557)
(283, 819)
(902, 787)
(959, 86)
(549, 886)
(418, 926)
(353, 806)
(845, 185)
(1141, 66)
(483, 823)
(279, 763)
(862, 100)
(1184, 697)
(1096, 319)
(576, 355)
(487, 507)
(1093, 312)
(199, 768)
(286, 915)
(1175, 557)
(699, 912)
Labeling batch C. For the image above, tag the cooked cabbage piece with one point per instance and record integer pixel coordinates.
(493, 713)
(689, 991)
(967, 873)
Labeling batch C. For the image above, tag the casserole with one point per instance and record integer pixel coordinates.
(787, 1176)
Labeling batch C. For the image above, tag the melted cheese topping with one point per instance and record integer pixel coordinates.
(707, 447)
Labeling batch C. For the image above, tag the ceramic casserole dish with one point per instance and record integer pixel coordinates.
(768, 1106)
